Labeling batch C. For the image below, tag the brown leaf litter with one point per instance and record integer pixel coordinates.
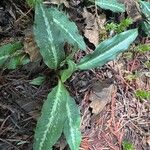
(94, 23)
(133, 9)
(30, 46)
(100, 96)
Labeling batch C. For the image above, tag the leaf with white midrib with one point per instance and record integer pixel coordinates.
(68, 29)
(108, 50)
(47, 37)
(112, 5)
(72, 124)
(50, 124)
(145, 9)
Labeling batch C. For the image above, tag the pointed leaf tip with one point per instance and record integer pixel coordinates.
(68, 29)
(72, 125)
(50, 125)
(108, 50)
(48, 37)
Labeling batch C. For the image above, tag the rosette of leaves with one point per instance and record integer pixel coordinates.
(60, 114)
(52, 29)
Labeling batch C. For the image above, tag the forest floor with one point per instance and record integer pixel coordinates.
(117, 120)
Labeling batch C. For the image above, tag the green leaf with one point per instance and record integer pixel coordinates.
(48, 37)
(127, 145)
(145, 6)
(33, 3)
(108, 50)
(65, 74)
(38, 81)
(50, 125)
(142, 48)
(112, 5)
(147, 64)
(72, 124)
(146, 27)
(142, 94)
(68, 29)
(18, 59)
(124, 24)
(130, 77)
(111, 26)
(11, 56)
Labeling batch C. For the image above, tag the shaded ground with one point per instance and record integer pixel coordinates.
(123, 118)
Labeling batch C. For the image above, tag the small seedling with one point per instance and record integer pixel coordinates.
(128, 145)
(142, 94)
(142, 48)
(122, 26)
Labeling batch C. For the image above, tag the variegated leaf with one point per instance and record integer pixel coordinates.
(112, 5)
(108, 50)
(68, 29)
(50, 125)
(48, 37)
(12, 56)
(145, 7)
(72, 124)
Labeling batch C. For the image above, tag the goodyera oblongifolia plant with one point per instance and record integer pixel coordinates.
(52, 29)
(60, 114)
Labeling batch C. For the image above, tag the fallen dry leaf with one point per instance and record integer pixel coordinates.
(101, 96)
(133, 9)
(91, 30)
(93, 25)
(101, 19)
(148, 140)
(92, 35)
(30, 47)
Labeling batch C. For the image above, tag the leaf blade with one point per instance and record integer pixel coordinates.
(146, 27)
(72, 124)
(12, 56)
(68, 29)
(65, 74)
(38, 81)
(50, 125)
(33, 3)
(145, 8)
(108, 50)
(47, 37)
(112, 5)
